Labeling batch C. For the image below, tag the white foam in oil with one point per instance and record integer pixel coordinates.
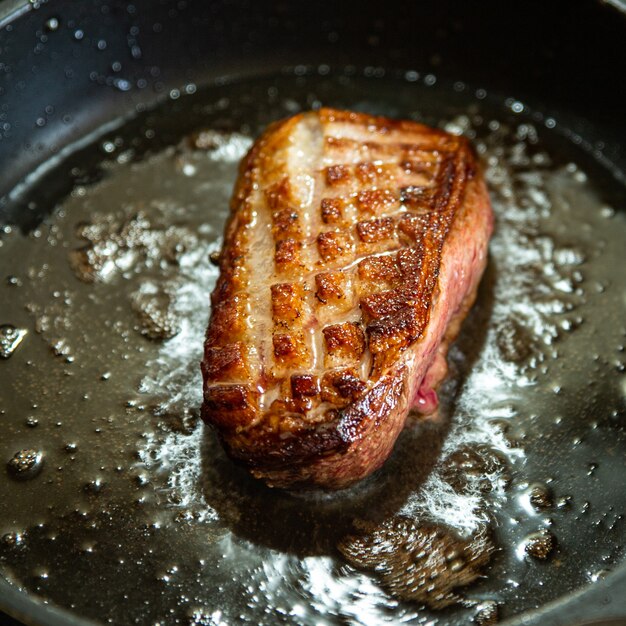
(174, 378)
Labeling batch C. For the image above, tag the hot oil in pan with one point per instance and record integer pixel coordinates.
(119, 505)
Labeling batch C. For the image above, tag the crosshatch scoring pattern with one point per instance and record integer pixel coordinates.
(330, 264)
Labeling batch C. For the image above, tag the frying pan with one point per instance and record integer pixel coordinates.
(57, 91)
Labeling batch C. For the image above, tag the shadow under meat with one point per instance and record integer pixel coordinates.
(312, 523)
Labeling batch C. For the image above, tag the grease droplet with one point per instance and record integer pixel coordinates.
(10, 339)
(25, 464)
(94, 487)
(540, 545)
(13, 539)
(540, 497)
(486, 613)
(52, 24)
(564, 502)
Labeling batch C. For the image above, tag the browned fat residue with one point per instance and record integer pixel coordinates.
(418, 562)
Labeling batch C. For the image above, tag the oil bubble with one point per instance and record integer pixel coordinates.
(539, 545)
(41, 572)
(25, 464)
(540, 497)
(13, 539)
(10, 338)
(94, 487)
(487, 613)
(598, 575)
(52, 24)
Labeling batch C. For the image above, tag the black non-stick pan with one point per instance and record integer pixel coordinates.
(121, 124)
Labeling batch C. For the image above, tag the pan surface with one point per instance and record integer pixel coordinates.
(121, 480)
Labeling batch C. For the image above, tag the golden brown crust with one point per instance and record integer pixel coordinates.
(341, 386)
(376, 230)
(229, 406)
(344, 343)
(334, 288)
(335, 246)
(331, 209)
(328, 276)
(290, 350)
(287, 303)
(375, 201)
(225, 363)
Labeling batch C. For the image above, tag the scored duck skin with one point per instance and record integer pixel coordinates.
(352, 254)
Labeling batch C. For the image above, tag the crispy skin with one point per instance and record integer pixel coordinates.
(353, 252)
